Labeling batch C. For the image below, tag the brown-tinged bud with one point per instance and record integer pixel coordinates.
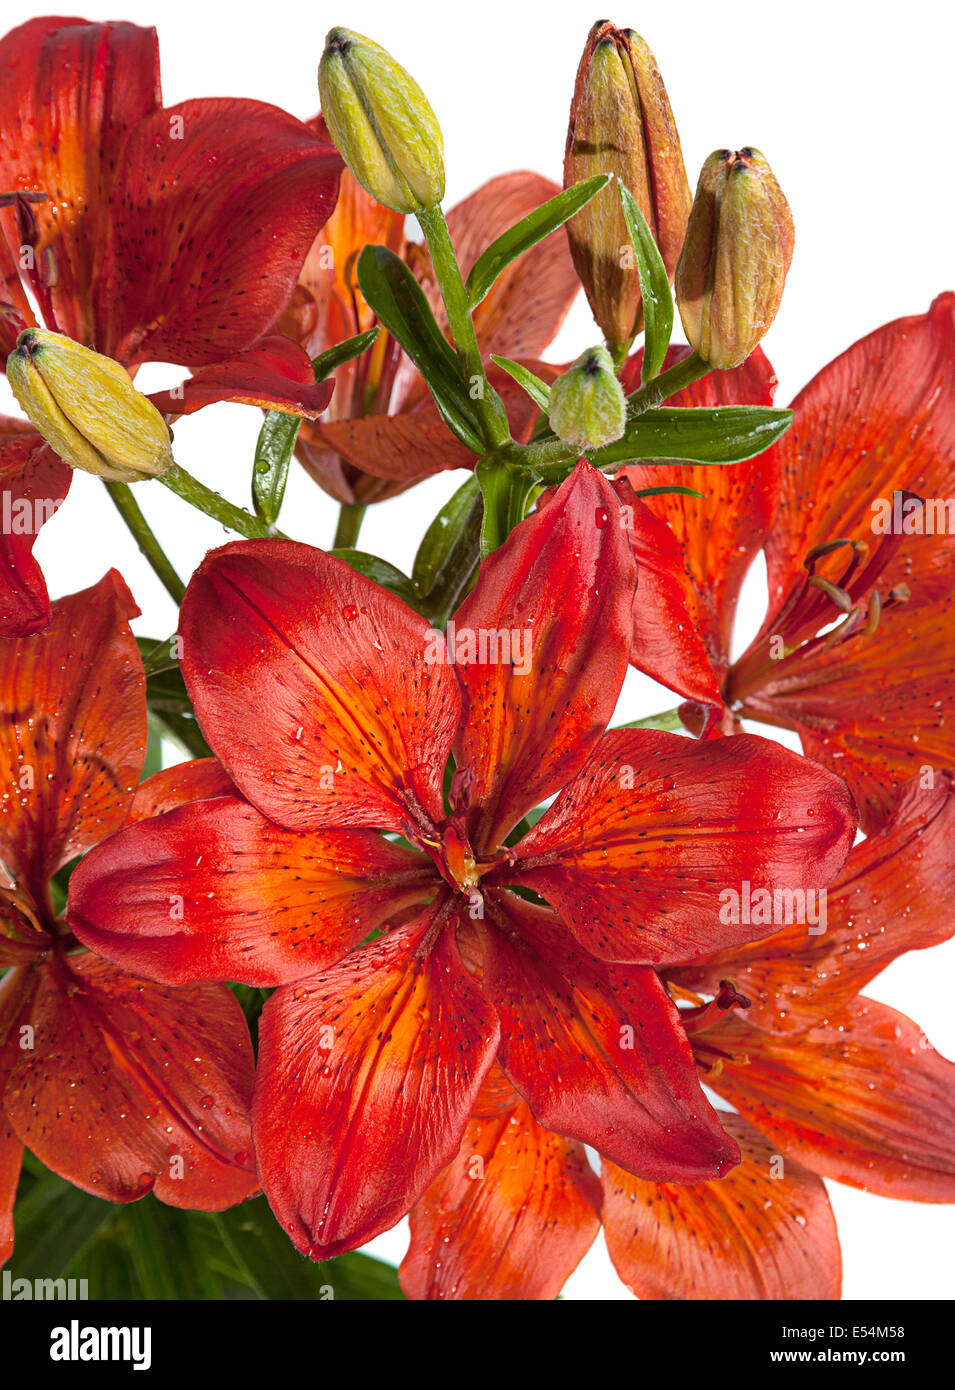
(621, 123)
(381, 122)
(86, 406)
(737, 252)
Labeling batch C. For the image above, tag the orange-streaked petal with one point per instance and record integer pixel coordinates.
(193, 781)
(721, 532)
(877, 419)
(312, 685)
(130, 1087)
(276, 374)
(877, 709)
(669, 614)
(214, 891)
(366, 1079)
(510, 1217)
(74, 733)
(596, 1050)
(894, 895)
(765, 1231)
(639, 852)
(531, 720)
(864, 1098)
(34, 482)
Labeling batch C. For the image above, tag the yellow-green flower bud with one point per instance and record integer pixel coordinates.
(621, 123)
(381, 122)
(737, 252)
(587, 406)
(87, 408)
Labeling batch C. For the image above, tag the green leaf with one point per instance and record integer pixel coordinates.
(527, 233)
(662, 491)
(327, 362)
(398, 300)
(158, 655)
(54, 1223)
(443, 535)
(273, 455)
(724, 434)
(654, 286)
(383, 573)
(668, 719)
(272, 1266)
(538, 390)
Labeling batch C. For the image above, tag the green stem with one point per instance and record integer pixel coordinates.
(490, 410)
(349, 525)
(140, 530)
(190, 489)
(662, 387)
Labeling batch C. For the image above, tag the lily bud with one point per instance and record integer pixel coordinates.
(587, 406)
(621, 123)
(381, 122)
(86, 406)
(738, 248)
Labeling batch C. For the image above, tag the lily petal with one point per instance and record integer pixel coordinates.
(721, 532)
(312, 685)
(173, 786)
(641, 853)
(131, 1088)
(529, 724)
(510, 1217)
(894, 895)
(34, 482)
(597, 1051)
(877, 419)
(765, 1231)
(214, 891)
(74, 737)
(276, 374)
(366, 1079)
(863, 1098)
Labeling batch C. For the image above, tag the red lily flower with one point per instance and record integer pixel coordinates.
(868, 697)
(830, 1084)
(149, 233)
(120, 1085)
(334, 708)
(382, 431)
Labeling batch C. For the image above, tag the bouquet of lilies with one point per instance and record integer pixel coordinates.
(414, 929)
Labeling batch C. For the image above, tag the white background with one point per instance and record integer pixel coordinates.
(850, 102)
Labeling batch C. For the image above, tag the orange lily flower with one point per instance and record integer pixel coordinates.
(119, 1085)
(334, 708)
(150, 233)
(855, 508)
(827, 1083)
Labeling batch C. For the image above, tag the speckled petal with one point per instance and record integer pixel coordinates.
(131, 1088)
(765, 1231)
(214, 891)
(510, 1217)
(74, 731)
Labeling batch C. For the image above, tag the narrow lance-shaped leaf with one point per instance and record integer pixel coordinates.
(725, 434)
(654, 286)
(396, 297)
(440, 537)
(279, 432)
(538, 390)
(527, 233)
